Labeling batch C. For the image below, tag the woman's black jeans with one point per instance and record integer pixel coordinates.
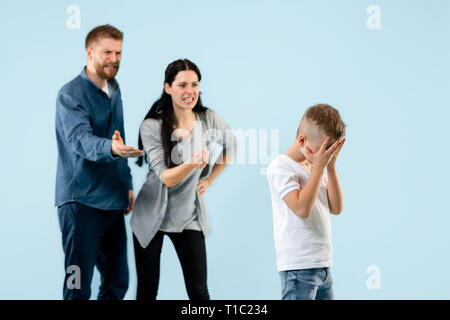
(191, 251)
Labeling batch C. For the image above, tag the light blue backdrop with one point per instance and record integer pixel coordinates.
(264, 63)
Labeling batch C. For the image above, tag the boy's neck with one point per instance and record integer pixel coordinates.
(294, 152)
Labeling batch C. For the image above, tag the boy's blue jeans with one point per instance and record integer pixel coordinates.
(306, 284)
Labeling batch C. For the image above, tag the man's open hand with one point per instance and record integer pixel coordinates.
(118, 148)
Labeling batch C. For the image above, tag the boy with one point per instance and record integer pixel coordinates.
(302, 200)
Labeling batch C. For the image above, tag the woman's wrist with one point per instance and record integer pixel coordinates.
(189, 165)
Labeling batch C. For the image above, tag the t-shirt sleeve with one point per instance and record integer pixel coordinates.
(282, 179)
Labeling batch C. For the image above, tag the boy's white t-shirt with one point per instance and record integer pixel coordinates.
(299, 243)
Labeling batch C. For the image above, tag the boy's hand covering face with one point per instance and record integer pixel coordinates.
(332, 163)
(324, 155)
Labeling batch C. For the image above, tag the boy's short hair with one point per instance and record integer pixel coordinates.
(326, 118)
(104, 31)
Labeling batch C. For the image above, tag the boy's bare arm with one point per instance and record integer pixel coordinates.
(301, 202)
(334, 191)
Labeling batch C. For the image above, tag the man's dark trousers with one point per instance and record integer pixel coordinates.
(93, 237)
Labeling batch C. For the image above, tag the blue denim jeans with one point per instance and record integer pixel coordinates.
(306, 284)
(93, 237)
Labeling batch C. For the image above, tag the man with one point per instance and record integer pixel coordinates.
(93, 181)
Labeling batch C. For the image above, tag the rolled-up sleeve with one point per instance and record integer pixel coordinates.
(282, 179)
(75, 125)
(150, 132)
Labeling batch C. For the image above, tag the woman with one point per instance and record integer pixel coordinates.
(187, 146)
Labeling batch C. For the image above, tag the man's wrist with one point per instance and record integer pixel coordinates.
(113, 153)
(108, 148)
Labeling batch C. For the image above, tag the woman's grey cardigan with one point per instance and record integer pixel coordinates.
(151, 202)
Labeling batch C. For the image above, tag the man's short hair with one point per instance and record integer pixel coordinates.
(101, 32)
(326, 118)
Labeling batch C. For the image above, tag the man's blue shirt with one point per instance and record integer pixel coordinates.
(87, 172)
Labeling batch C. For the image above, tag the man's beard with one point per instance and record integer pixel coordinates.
(100, 69)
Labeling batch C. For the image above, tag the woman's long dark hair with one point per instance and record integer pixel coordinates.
(163, 109)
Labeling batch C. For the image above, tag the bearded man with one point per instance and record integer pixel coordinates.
(93, 181)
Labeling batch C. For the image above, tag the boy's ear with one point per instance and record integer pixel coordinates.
(301, 140)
